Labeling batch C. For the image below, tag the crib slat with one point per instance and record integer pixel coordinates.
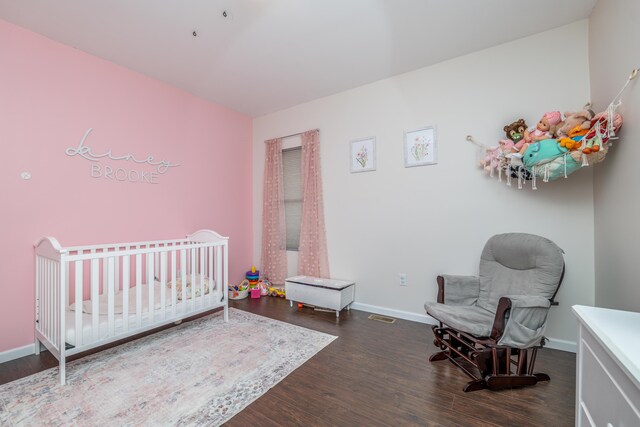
(156, 263)
(173, 283)
(111, 273)
(117, 272)
(210, 274)
(55, 304)
(95, 294)
(65, 299)
(138, 290)
(45, 296)
(50, 288)
(220, 284)
(193, 278)
(202, 267)
(183, 268)
(103, 285)
(151, 286)
(125, 292)
(163, 285)
(78, 313)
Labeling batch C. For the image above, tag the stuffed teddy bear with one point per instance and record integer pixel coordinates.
(515, 132)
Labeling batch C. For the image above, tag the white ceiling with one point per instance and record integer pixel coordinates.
(273, 54)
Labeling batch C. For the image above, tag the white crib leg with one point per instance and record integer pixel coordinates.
(63, 373)
(38, 347)
(226, 313)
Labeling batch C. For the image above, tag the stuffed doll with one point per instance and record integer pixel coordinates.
(543, 130)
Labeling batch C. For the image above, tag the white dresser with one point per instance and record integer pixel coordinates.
(608, 368)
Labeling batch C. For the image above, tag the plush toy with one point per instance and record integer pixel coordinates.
(264, 285)
(515, 132)
(546, 159)
(571, 120)
(571, 144)
(542, 152)
(543, 130)
(496, 156)
(599, 132)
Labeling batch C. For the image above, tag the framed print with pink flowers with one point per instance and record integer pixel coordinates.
(420, 147)
(363, 155)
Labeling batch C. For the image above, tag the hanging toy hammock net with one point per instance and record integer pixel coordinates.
(554, 148)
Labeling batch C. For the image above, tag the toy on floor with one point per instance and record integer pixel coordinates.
(240, 291)
(252, 276)
(277, 292)
(263, 285)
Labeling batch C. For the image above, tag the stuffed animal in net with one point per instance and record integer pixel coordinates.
(580, 118)
(496, 157)
(600, 132)
(515, 132)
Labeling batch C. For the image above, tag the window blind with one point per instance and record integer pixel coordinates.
(292, 171)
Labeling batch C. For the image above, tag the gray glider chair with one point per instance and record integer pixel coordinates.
(494, 323)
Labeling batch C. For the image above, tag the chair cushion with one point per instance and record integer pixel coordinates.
(518, 264)
(472, 319)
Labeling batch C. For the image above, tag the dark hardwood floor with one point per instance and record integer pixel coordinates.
(377, 374)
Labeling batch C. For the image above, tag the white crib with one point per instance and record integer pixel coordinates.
(89, 296)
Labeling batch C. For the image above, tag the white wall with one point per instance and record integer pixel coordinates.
(614, 50)
(434, 219)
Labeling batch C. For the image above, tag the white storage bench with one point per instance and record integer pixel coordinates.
(327, 293)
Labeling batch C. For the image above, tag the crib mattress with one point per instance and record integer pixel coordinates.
(182, 308)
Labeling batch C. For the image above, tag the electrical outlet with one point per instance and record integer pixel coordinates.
(403, 279)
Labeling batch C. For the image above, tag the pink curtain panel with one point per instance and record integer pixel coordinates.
(313, 259)
(274, 243)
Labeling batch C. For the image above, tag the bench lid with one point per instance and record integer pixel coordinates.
(320, 283)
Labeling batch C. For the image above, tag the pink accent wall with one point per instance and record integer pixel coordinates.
(50, 94)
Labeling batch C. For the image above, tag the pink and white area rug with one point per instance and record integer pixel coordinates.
(201, 372)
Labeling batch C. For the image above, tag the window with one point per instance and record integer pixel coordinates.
(292, 171)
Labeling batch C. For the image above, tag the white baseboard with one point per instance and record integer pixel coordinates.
(554, 343)
(563, 345)
(16, 353)
(400, 314)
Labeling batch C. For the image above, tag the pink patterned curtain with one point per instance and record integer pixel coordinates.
(274, 244)
(313, 259)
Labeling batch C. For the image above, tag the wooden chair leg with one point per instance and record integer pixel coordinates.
(474, 385)
(441, 355)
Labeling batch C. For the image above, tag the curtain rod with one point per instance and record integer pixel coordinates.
(294, 134)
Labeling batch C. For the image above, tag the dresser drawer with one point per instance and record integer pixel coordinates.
(607, 396)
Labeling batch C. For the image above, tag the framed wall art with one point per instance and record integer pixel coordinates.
(363, 155)
(420, 147)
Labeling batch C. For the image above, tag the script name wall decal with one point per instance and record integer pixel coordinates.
(98, 170)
